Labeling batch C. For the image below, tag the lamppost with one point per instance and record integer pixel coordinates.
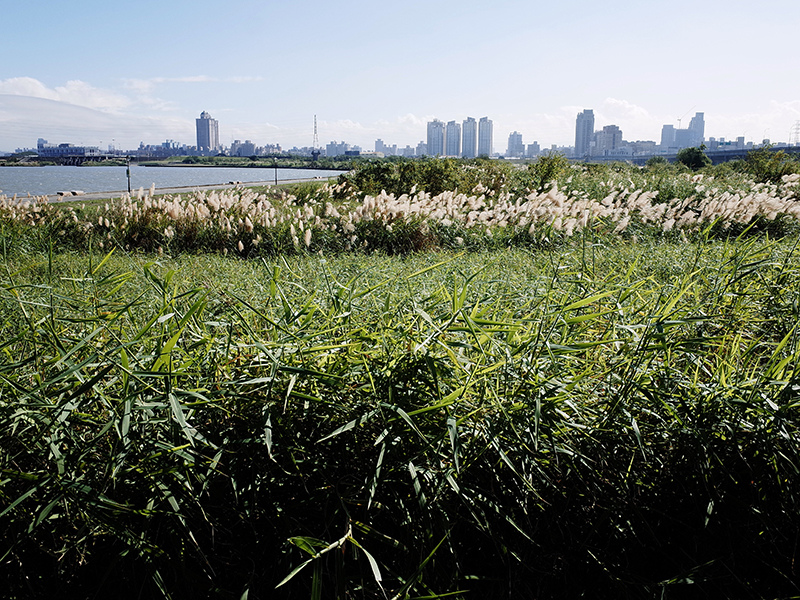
(128, 170)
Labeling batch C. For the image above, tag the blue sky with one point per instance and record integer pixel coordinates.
(99, 72)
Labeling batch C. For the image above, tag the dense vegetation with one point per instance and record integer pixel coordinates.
(398, 207)
(557, 403)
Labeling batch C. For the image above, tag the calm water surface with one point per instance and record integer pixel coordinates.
(41, 181)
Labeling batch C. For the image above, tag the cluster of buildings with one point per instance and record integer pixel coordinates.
(208, 141)
(608, 143)
(469, 138)
(57, 151)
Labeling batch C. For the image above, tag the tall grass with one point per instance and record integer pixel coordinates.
(489, 207)
(608, 420)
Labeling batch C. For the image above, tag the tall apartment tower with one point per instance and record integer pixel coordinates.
(667, 137)
(584, 130)
(452, 139)
(485, 131)
(516, 148)
(607, 140)
(436, 138)
(697, 130)
(207, 133)
(469, 138)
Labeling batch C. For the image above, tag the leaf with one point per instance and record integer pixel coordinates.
(308, 544)
(452, 429)
(177, 412)
(376, 572)
(294, 572)
(587, 301)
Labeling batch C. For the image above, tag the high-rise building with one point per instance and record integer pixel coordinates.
(667, 137)
(435, 138)
(469, 138)
(697, 129)
(516, 148)
(607, 140)
(207, 133)
(673, 139)
(584, 130)
(452, 139)
(485, 132)
(335, 148)
(239, 148)
(533, 150)
(384, 148)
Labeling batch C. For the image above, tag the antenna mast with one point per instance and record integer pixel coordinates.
(315, 151)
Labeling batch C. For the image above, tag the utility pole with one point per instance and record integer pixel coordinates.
(315, 152)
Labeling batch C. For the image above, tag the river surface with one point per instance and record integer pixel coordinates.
(46, 181)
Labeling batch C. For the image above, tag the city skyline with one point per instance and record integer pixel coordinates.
(271, 67)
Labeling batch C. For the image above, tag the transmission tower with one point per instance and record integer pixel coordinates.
(794, 133)
(315, 151)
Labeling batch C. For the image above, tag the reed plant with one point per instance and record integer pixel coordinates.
(607, 419)
(337, 218)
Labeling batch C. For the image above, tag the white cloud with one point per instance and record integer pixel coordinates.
(622, 110)
(143, 90)
(147, 85)
(23, 119)
(76, 92)
(776, 121)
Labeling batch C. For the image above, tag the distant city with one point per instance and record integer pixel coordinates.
(467, 139)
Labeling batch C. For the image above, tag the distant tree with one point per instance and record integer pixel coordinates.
(656, 161)
(546, 169)
(766, 165)
(694, 158)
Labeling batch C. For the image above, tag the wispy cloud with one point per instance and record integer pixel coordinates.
(622, 109)
(148, 85)
(76, 92)
(24, 118)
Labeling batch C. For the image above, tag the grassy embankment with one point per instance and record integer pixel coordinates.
(575, 414)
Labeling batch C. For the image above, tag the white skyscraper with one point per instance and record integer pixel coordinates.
(607, 140)
(515, 146)
(452, 139)
(469, 138)
(207, 133)
(485, 132)
(584, 130)
(697, 130)
(436, 138)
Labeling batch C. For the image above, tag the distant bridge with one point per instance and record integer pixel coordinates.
(717, 156)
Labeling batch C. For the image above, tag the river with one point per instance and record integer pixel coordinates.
(47, 181)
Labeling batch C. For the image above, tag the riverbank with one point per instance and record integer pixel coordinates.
(187, 189)
(112, 181)
(77, 195)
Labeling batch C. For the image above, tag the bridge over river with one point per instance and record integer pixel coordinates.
(717, 156)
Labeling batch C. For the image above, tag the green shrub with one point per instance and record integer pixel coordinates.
(693, 158)
(767, 165)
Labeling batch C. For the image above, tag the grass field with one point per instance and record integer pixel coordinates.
(608, 415)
